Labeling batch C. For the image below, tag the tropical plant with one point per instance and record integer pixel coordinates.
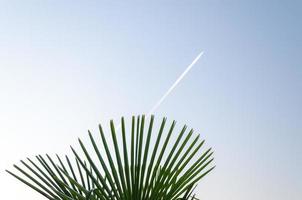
(136, 170)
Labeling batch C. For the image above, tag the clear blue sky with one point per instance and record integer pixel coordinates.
(65, 66)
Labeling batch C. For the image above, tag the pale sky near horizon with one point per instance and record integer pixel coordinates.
(65, 66)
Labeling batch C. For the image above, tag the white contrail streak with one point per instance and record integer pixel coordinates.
(174, 84)
(171, 88)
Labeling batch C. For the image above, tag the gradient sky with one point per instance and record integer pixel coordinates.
(65, 66)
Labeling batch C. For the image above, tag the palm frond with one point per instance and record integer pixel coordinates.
(140, 170)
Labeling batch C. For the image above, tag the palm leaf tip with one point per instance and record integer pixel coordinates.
(151, 163)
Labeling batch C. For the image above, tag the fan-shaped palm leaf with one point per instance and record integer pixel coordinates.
(140, 170)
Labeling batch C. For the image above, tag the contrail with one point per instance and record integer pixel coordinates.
(174, 84)
(171, 88)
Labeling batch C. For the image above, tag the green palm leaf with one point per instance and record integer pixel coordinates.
(140, 170)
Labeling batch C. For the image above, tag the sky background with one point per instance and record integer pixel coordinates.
(66, 66)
